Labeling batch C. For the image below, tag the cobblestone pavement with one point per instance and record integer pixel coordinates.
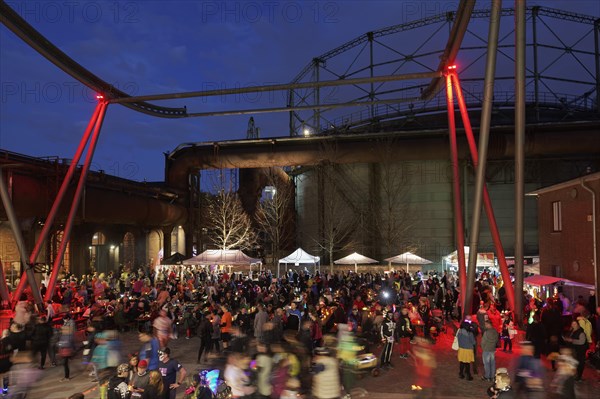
(393, 383)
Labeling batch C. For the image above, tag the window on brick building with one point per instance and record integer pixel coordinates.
(556, 216)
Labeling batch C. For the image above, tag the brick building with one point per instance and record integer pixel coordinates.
(569, 228)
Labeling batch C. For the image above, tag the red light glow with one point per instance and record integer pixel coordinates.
(99, 96)
(452, 66)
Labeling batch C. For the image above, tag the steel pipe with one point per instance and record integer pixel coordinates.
(18, 236)
(277, 87)
(520, 114)
(480, 164)
(542, 141)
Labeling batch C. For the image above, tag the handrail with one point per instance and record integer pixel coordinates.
(502, 99)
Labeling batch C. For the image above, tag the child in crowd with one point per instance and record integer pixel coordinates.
(501, 388)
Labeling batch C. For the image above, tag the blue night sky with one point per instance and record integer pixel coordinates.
(150, 47)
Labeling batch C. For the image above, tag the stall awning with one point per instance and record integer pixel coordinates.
(540, 280)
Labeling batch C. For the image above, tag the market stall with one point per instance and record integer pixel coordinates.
(223, 257)
(547, 286)
(298, 258)
(355, 259)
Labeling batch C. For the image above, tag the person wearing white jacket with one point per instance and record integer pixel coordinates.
(236, 377)
(326, 379)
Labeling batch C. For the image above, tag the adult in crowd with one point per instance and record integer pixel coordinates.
(42, 332)
(173, 373)
(149, 350)
(215, 338)
(205, 332)
(66, 345)
(404, 332)
(536, 334)
(226, 321)
(474, 329)
(529, 379)
(466, 356)
(326, 381)
(140, 379)
(155, 388)
(387, 337)
(578, 343)
(118, 384)
(489, 342)
(236, 377)
(162, 328)
(260, 319)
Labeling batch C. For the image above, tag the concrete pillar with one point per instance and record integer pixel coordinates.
(167, 248)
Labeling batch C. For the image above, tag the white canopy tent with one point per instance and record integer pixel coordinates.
(229, 257)
(354, 259)
(299, 257)
(484, 260)
(408, 258)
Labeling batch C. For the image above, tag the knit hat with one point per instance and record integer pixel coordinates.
(143, 364)
(123, 370)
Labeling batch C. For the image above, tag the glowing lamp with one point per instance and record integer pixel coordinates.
(452, 67)
(99, 96)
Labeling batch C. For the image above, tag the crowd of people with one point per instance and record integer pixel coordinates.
(281, 337)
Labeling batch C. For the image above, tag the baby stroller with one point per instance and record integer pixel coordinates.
(364, 362)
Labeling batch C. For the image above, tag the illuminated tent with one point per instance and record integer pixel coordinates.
(408, 258)
(229, 257)
(299, 257)
(354, 259)
(483, 259)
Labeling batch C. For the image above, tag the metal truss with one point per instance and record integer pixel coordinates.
(562, 74)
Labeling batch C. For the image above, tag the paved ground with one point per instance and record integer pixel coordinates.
(394, 383)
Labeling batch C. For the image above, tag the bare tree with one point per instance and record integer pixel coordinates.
(230, 227)
(391, 210)
(337, 224)
(275, 213)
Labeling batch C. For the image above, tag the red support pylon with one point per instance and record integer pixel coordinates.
(458, 214)
(510, 294)
(76, 199)
(57, 201)
(95, 124)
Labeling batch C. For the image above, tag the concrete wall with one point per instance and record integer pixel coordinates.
(425, 206)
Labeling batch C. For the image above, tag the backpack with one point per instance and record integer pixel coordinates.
(587, 328)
